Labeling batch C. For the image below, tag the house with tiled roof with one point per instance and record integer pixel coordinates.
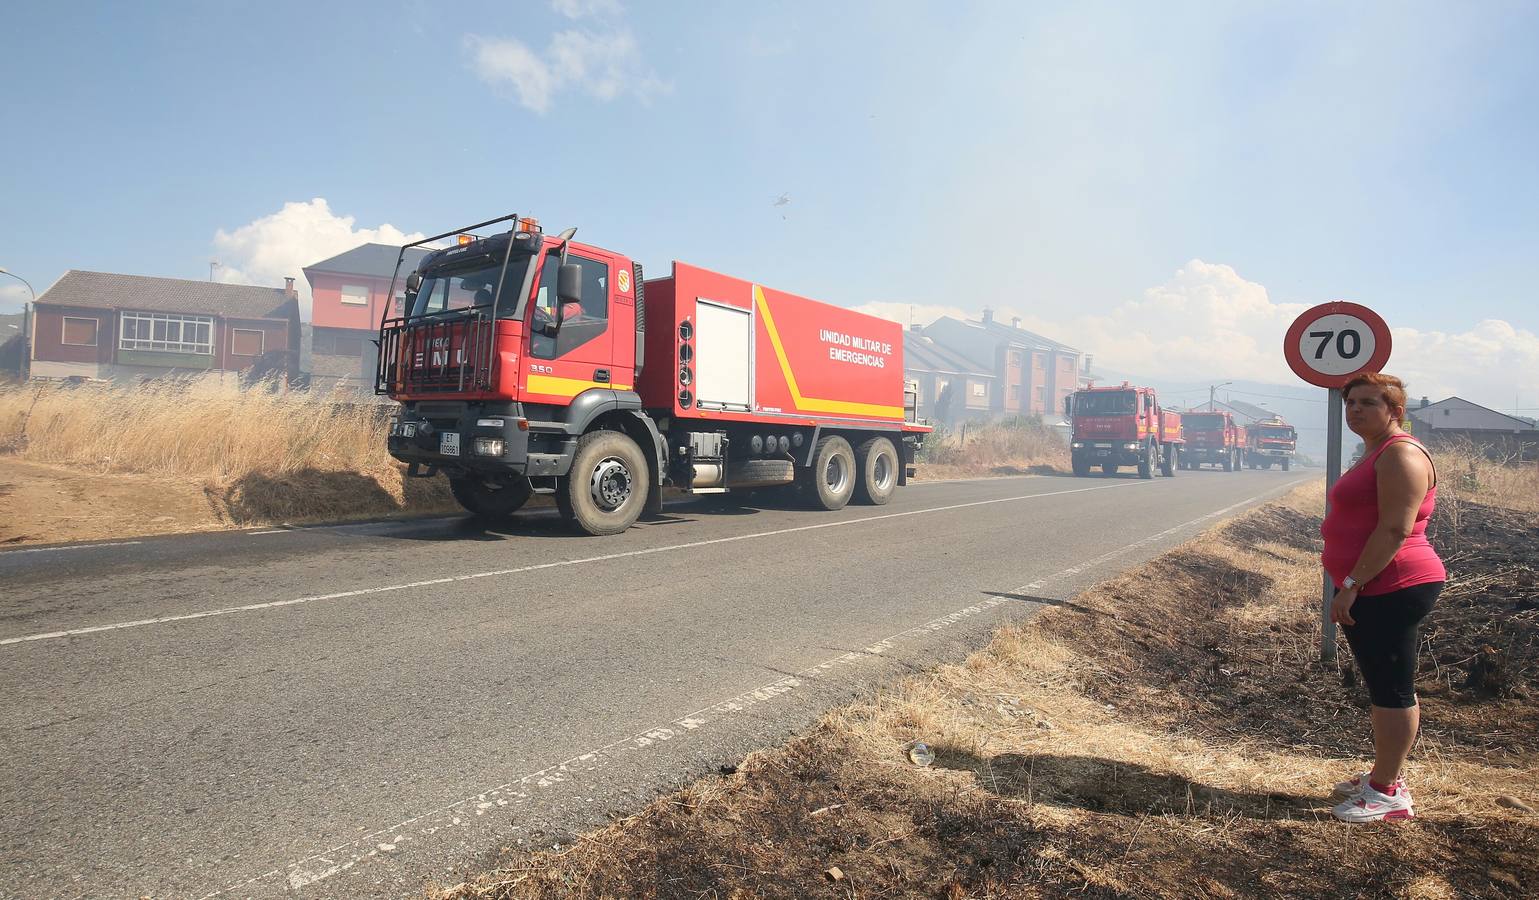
(950, 388)
(1032, 373)
(112, 327)
(350, 294)
(1456, 421)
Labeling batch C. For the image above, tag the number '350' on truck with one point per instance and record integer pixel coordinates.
(526, 363)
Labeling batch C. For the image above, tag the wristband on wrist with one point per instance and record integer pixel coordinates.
(1349, 583)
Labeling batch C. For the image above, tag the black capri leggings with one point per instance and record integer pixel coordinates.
(1385, 641)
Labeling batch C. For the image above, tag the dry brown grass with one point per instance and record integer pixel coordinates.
(1168, 733)
(262, 455)
(1015, 447)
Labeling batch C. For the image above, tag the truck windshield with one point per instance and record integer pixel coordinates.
(1110, 403)
(1277, 432)
(1203, 422)
(446, 291)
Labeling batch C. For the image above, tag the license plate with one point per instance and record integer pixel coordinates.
(409, 429)
(1103, 453)
(449, 443)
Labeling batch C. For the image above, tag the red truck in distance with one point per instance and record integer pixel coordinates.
(1213, 438)
(1272, 442)
(1122, 426)
(526, 363)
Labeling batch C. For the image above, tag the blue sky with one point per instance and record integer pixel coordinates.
(1125, 177)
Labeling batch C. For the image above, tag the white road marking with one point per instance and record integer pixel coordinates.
(274, 531)
(71, 547)
(304, 872)
(450, 579)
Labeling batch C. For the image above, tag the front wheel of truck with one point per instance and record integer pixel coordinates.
(490, 500)
(608, 485)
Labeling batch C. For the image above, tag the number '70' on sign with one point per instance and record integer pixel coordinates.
(1331, 342)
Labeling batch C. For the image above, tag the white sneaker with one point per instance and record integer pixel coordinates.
(1372, 806)
(1354, 786)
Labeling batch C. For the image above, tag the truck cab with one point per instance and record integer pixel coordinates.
(1213, 438)
(1122, 426)
(1271, 442)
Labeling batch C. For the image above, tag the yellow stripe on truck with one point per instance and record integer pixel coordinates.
(812, 404)
(552, 386)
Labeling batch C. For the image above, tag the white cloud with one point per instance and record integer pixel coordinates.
(1207, 321)
(268, 249)
(603, 65)
(12, 296)
(581, 9)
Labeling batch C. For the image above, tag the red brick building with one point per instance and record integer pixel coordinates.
(101, 325)
(1032, 373)
(350, 292)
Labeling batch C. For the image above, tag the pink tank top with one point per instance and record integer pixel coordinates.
(1354, 513)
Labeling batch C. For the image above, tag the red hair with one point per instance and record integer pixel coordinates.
(1391, 390)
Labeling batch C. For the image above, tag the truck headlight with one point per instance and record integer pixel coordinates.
(1077, 445)
(488, 446)
(490, 423)
(1131, 446)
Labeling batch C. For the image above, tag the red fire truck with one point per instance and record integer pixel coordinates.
(1122, 426)
(1271, 442)
(1213, 438)
(530, 364)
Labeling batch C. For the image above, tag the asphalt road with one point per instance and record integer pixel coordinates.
(362, 711)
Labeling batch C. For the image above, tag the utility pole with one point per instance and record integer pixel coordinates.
(1212, 390)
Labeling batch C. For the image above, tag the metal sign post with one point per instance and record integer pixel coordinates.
(1326, 346)
(1332, 472)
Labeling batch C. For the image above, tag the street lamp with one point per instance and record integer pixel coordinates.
(1213, 389)
(26, 325)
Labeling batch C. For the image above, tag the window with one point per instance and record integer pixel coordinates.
(79, 332)
(1040, 392)
(580, 322)
(1015, 392)
(247, 342)
(979, 388)
(168, 332)
(1015, 357)
(355, 295)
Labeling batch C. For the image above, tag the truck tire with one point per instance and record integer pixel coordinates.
(1229, 462)
(1108, 468)
(490, 500)
(830, 481)
(1146, 462)
(1168, 463)
(1081, 467)
(1285, 464)
(608, 485)
(876, 464)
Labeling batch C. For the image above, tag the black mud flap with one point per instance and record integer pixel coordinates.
(414, 471)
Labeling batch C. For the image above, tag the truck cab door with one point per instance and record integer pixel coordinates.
(581, 355)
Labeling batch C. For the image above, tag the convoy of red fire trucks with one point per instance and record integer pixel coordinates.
(526, 363)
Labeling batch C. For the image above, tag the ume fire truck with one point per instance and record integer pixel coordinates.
(1213, 438)
(1122, 426)
(528, 364)
(1271, 442)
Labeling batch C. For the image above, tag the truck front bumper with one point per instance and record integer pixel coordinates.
(474, 441)
(1118, 453)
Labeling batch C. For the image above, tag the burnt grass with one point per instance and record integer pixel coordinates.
(1158, 645)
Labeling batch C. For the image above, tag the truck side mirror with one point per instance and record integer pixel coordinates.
(569, 283)
(1067, 414)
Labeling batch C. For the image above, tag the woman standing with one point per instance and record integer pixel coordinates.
(1387, 579)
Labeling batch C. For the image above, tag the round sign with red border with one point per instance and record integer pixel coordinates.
(1330, 343)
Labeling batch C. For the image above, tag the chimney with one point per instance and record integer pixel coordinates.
(288, 288)
(1424, 403)
(1089, 358)
(1015, 321)
(988, 315)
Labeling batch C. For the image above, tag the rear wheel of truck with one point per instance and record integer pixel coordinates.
(876, 462)
(607, 487)
(1081, 467)
(1229, 463)
(1285, 464)
(1108, 468)
(1168, 464)
(830, 481)
(490, 500)
(1146, 462)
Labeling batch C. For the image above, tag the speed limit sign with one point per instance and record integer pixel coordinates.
(1334, 341)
